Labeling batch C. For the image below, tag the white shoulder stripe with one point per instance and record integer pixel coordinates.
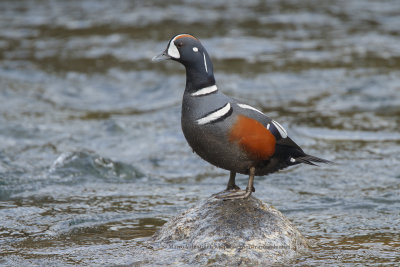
(205, 90)
(249, 107)
(280, 128)
(215, 115)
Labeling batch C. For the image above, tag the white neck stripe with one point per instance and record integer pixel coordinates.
(205, 90)
(215, 115)
(205, 62)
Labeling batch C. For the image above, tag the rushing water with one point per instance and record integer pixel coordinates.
(92, 157)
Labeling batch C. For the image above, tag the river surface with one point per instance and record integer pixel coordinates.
(92, 157)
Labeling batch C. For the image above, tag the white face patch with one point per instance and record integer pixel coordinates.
(219, 113)
(280, 128)
(292, 160)
(173, 50)
(205, 62)
(195, 49)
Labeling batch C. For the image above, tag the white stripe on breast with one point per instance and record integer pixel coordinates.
(215, 115)
(205, 90)
(249, 107)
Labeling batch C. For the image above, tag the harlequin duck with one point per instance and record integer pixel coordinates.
(224, 131)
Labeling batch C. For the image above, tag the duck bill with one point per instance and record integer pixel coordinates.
(163, 56)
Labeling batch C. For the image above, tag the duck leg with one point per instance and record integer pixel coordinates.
(240, 194)
(231, 184)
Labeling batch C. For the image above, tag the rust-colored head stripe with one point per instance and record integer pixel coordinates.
(184, 35)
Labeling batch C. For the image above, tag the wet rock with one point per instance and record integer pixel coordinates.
(229, 233)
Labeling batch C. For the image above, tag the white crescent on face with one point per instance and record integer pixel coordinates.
(173, 50)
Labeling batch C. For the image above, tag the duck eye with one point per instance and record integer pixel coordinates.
(180, 44)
